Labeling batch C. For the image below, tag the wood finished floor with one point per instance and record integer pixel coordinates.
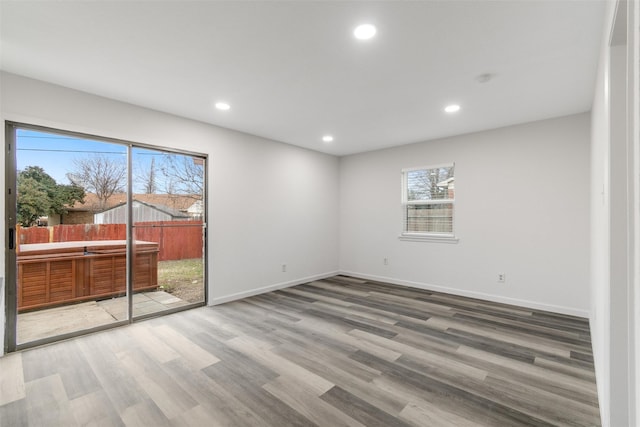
(335, 352)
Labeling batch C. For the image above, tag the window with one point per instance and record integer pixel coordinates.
(428, 201)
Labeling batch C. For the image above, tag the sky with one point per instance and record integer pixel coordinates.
(56, 153)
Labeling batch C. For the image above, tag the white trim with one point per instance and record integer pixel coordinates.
(419, 168)
(269, 288)
(487, 297)
(634, 141)
(600, 386)
(419, 237)
(430, 202)
(429, 287)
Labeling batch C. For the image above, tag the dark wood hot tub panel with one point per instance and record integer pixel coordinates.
(54, 274)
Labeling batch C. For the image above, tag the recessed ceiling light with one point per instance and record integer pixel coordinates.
(453, 108)
(364, 31)
(327, 138)
(222, 106)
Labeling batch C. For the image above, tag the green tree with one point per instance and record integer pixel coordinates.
(40, 195)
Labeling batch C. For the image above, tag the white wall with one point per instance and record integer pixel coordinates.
(600, 301)
(615, 220)
(618, 233)
(633, 114)
(522, 208)
(269, 203)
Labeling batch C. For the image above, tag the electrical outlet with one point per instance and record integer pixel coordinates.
(284, 268)
(385, 261)
(501, 277)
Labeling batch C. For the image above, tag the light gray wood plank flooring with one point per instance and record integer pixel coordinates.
(336, 352)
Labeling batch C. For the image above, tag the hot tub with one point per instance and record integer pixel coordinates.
(51, 274)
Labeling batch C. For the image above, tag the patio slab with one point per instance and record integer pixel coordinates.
(70, 318)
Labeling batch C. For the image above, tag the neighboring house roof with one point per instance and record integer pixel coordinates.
(196, 208)
(177, 202)
(174, 213)
(449, 183)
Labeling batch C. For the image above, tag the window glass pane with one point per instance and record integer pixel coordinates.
(430, 184)
(437, 218)
(168, 220)
(71, 271)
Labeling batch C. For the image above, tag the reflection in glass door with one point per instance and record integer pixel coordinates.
(168, 231)
(70, 273)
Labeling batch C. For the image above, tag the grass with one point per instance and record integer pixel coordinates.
(182, 278)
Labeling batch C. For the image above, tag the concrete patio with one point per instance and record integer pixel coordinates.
(65, 319)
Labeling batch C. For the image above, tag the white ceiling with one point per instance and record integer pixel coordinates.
(292, 71)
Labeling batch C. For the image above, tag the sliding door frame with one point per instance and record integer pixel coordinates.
(10, 210)
(10, 285)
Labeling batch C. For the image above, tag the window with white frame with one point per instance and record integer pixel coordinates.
(428, 201)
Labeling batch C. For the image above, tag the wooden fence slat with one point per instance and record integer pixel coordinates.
(176, 239)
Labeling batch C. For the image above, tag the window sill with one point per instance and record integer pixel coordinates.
(411, 237)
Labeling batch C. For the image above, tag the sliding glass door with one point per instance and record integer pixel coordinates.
(101, 232)
(167, 213)
(70, 273)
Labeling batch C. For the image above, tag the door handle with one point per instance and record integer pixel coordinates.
(12, 236)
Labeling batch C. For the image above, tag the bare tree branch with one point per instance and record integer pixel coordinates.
(146, 176)
(100, 174)
(183, 175)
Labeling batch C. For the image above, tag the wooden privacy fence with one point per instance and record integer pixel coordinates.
(175, 239)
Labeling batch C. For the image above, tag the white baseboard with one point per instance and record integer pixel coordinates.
(269, 288)
(480, 295)
(426, 286)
